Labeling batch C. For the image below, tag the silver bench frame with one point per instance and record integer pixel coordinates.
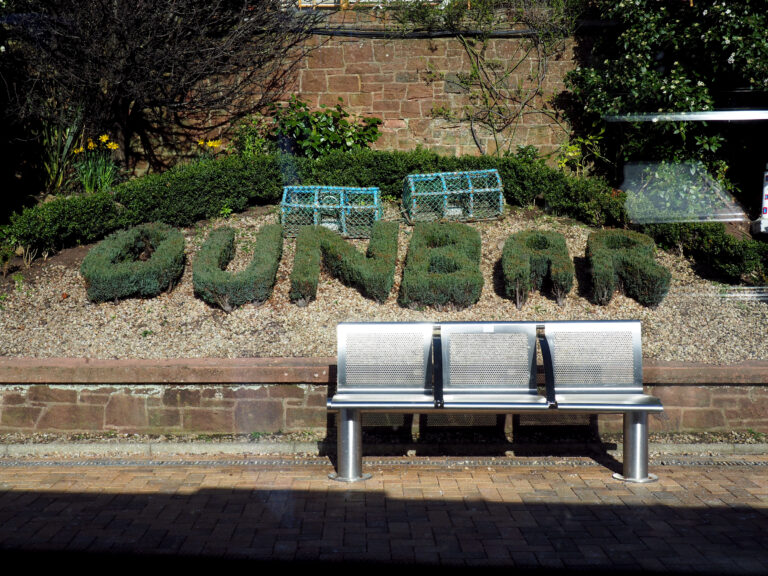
(590, 367)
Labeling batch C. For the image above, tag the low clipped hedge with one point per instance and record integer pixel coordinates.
(721, 254)
(211, 187)
(372, 273)
(141, 261)
(624, 259)
(65, 222)
(442, 266)
(229, 290)
(532, 256)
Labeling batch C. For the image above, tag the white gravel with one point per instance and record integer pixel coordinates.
(52, 317)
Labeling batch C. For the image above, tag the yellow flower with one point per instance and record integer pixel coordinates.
(112, 145)
(201, 142)
(91, 145)
(213, 143)
(103, 138)
(78, 150)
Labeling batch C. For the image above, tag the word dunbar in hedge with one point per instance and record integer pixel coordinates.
(442, 266)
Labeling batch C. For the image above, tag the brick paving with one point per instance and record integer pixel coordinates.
(711, 517)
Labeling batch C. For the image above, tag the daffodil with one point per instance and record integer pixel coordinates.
(112, 145)
(213, 143)
(103, 138)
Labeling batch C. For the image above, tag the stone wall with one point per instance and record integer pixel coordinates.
(243, 396)
(412, 85)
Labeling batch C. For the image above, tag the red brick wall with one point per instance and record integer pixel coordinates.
(289, 394)
(404, 81)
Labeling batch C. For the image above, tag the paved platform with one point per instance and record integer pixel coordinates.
(534, 514)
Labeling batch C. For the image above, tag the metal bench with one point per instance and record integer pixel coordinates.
(590, 366)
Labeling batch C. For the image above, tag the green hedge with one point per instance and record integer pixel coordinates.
(531, 256)
(722, 255)
(211, 187)
(623, 259)
(65, 222)
(229, 290)
(442, 266)
(372, 273)
(141, 261)
(203, 189)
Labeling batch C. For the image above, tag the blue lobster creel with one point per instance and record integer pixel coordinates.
(349, 211)
(473, 195)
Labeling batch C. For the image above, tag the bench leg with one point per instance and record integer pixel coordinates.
(349, 453)
(636, 449)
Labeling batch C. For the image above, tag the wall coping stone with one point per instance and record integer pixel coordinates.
(15, 370)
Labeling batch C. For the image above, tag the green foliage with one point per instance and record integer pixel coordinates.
(58, 144)
(442, 266)
(529, 258)
(372, 274)
(726, 257)
(590, 200)
(142, 261)
(65, 221)
(665, 57)
(202, 189)
(229, 290)
(212, 187)
(625, 259)
(94, 165)
(299, 131)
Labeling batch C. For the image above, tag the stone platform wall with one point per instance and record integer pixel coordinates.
(269, 395)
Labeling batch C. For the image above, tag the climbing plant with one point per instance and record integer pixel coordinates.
(505, 85)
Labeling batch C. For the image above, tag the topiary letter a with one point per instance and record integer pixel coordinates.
(624, 259)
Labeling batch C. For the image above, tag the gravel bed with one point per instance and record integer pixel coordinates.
(47, 314)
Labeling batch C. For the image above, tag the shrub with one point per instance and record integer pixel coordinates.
(727, 257)
(531, 256)
(373, 273)
(590, 200)
(142, 261)
(624, 259)
(65, 222)
(202, 189)
(229, 290)
(442, 266)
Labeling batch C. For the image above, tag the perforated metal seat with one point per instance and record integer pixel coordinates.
(597, 366)
(489, 366)
(384, 366)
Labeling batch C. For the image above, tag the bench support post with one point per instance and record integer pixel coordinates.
(636, 449)
(349, 452)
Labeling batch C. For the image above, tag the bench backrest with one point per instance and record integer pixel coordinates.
(488, 357)
(594, 356)
(385, 357)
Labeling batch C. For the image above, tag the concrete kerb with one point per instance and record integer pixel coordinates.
(152, 449)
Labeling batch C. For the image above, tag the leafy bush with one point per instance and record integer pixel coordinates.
(213, 186)
(373, 273)
(229, 290)
(625, 259)
(142, 261)
(299, 131)
(442, 266)
(590, 200)
(65, 221)
(727, 257)
(531, 256)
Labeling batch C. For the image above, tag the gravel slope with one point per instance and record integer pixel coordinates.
(50, 316)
